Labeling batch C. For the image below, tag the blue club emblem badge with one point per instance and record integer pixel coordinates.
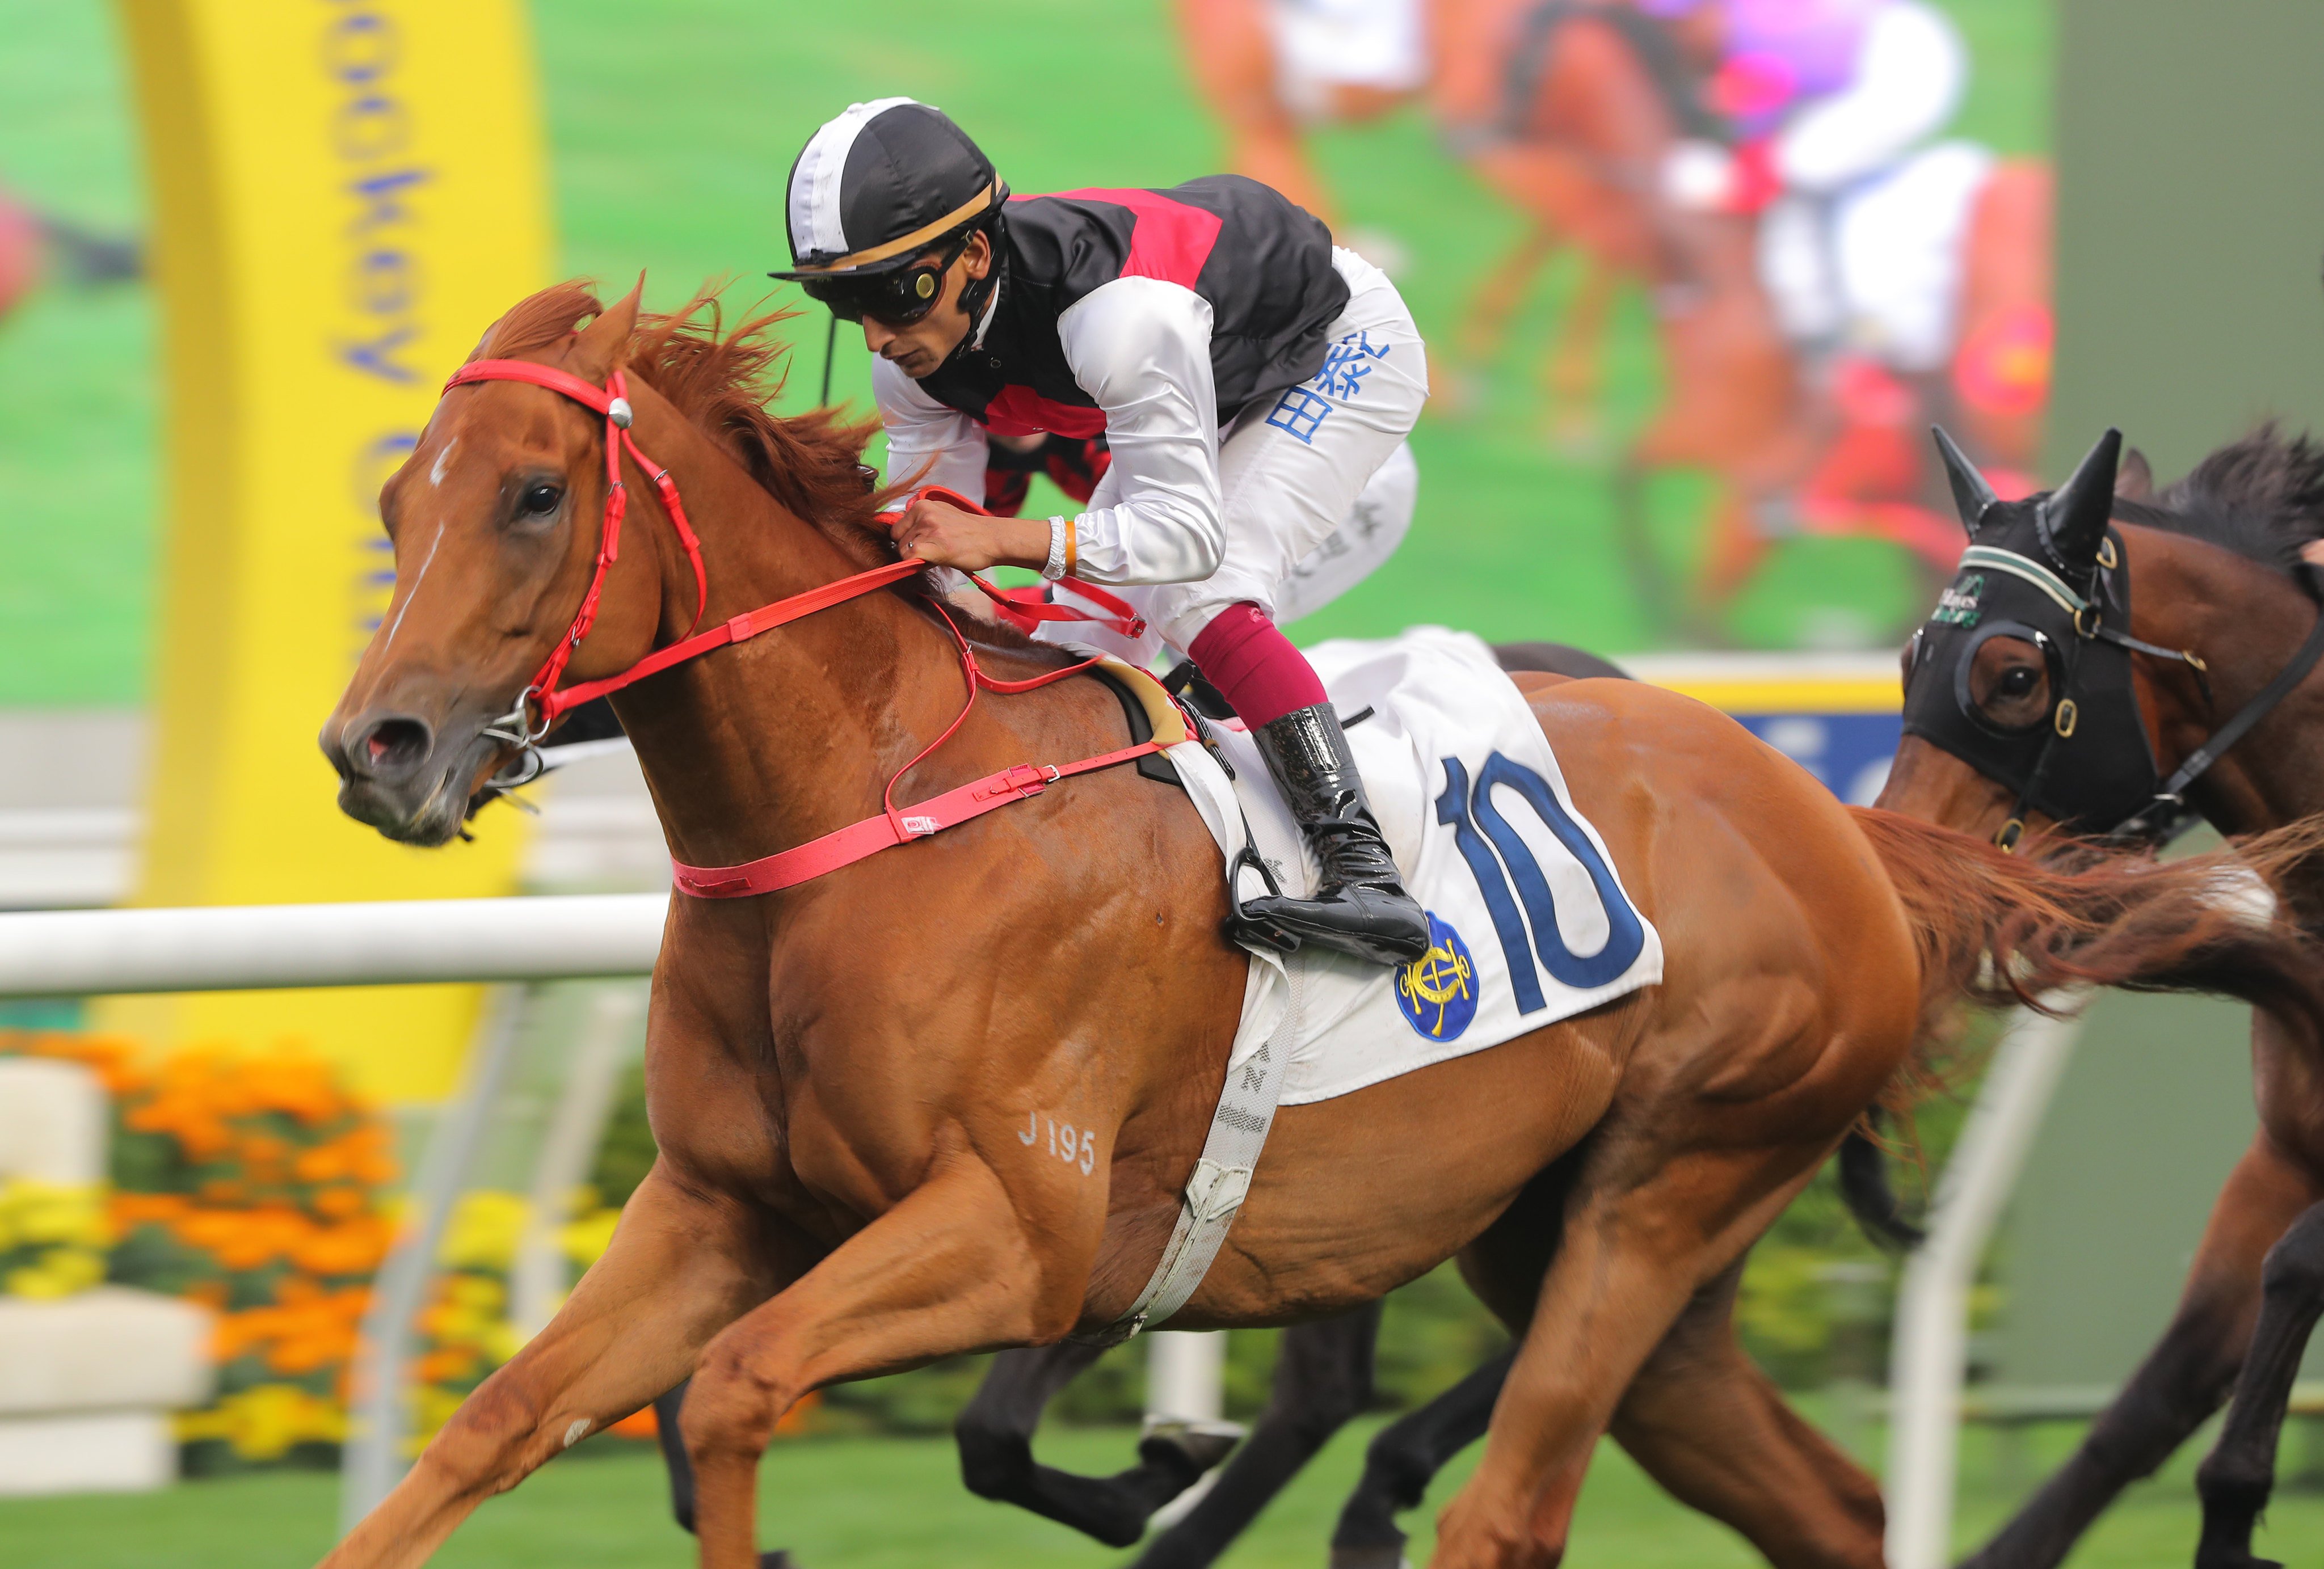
(1437, 992)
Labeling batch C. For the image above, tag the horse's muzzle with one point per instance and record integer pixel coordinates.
(397, 775)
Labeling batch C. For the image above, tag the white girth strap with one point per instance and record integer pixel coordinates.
(1222, 1177)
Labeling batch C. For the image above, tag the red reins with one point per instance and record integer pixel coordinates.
(1023, 607)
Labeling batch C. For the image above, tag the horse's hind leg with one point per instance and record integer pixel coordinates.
(995, 1434)
(1323, 1377)
(2235, 1481)
(1651, 1224)
(1711, 1429)
(2183, 1380)
(1404, 1457)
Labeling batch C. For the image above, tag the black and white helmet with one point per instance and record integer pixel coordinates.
(876, 189)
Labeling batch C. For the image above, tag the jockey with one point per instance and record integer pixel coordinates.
(1830, 99)
(1249, 378)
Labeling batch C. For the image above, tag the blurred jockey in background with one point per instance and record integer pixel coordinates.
(1836, 106)
(1271, 70)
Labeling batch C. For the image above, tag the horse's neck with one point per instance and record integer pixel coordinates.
(755, 748)
(2246, 620)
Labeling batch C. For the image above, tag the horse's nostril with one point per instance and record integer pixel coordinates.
(393, 744)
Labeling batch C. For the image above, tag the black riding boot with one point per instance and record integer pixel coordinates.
(1360, 907)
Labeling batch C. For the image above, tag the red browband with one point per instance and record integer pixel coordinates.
(1024, 608)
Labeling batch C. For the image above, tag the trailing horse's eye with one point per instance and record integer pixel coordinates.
(2017, 681)
(538, 500)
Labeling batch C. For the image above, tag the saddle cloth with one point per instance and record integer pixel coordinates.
(1530, 919)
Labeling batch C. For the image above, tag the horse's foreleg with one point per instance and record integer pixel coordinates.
(1323, 1377)
(2234, 1480)
(1710, 1427)
(1642, 1239)
(2183, 1380)
(950, 1268)
(679, 1268)
(1404, 1458)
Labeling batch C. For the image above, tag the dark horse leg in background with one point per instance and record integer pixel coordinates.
(1404, 1458)
(995, 1434)
(2235, 1479)
(1323, 1379)
(2266, 1211)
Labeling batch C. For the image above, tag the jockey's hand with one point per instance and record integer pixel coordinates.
(942, 535)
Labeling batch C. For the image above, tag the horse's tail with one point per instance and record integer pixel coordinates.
(2003, 929)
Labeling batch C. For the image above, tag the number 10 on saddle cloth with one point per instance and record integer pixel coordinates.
(1530, 920)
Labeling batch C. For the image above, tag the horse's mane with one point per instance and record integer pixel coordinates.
(2262, 497)
(723, 380)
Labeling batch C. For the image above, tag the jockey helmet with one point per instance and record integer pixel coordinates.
(875, 191)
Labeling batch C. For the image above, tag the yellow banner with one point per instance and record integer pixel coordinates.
(345, 193)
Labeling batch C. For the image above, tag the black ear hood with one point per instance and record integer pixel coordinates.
(2074, 516)
(2042, 570)
(1971, 494)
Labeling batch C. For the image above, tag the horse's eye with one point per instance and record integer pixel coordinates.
(2017, 681)
(539, 500)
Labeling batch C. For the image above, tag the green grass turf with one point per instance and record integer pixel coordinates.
(671, 144)
(894, 1503)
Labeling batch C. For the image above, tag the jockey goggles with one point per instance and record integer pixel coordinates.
(897, 296)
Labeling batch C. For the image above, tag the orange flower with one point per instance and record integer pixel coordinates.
(244, 1239)
(339, 1203)
(303, 1330)
(352, 1247)
(443, 1364)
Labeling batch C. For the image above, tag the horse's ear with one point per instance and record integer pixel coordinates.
(1971, 494)
(603, 347)
(2136, 481)
(2075, 515)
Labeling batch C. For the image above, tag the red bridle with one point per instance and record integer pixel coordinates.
(612, 400)
(1021, 607)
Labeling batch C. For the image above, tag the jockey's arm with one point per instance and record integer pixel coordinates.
(1911, 71)
(1142, 349)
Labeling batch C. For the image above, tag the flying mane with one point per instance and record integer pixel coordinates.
(2262, 497)
(723, 380)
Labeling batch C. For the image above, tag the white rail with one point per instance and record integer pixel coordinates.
(1929, 1360)
(261, 947)
(52, 953)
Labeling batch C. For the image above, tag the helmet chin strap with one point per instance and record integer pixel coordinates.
(978, 295)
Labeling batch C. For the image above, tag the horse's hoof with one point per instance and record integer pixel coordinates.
(780, 1558)
(1199, 1445)
(1379, 1555)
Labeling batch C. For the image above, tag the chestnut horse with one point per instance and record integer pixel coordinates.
(839, 1074)
(2214, 562)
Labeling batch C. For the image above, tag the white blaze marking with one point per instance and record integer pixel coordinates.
(436, 474)
(405, 607)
